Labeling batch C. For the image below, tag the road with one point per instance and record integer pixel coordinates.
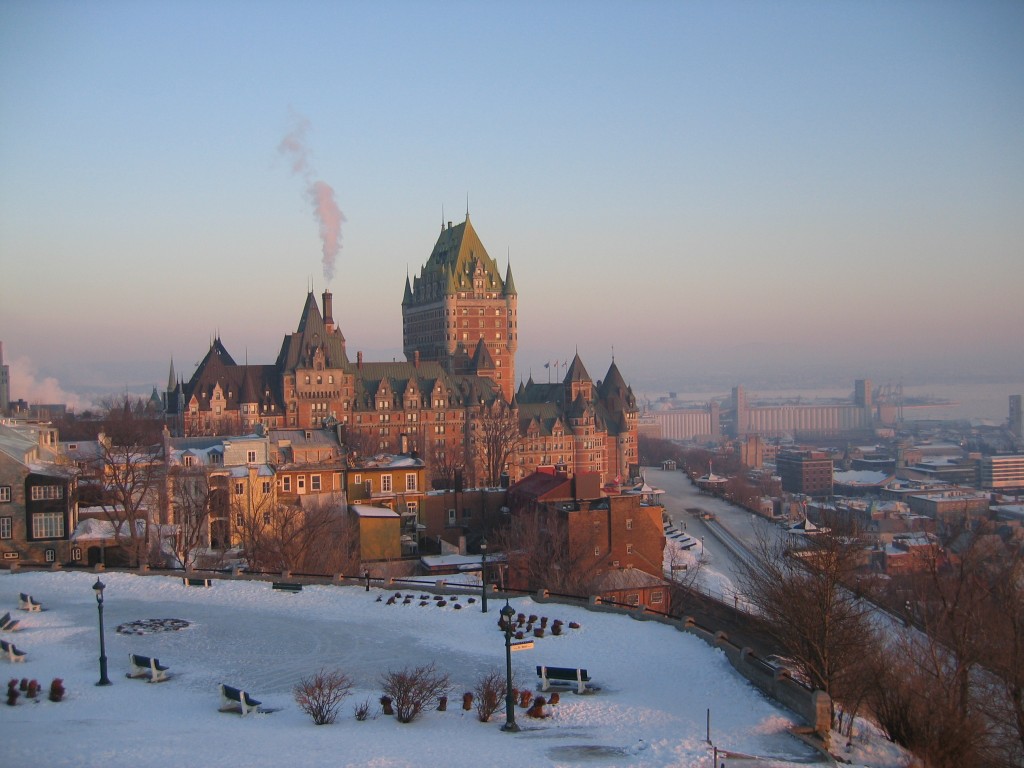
(724, 538)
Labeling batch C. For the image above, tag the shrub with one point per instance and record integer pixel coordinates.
(489, 690)
(320, 696)
(525, 697)
(362, 711)
(56, 689)
(538, 708)
(554, 698)
(467, 700)
(23, 685)
(33, 689)
(413, 688)
(12, 693)
(385, 705)
(442, 704)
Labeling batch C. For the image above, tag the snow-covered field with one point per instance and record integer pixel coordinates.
(656, 683)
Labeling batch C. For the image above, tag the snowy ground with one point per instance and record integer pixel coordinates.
(656, 683)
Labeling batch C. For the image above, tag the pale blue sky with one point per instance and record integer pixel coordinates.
(794, 185)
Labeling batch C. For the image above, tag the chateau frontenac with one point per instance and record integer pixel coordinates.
(460, 335)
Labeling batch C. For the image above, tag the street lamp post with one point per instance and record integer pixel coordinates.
(483, 576)
(510, 700)
(99, 586)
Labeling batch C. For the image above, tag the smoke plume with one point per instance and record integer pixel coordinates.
(318, 192)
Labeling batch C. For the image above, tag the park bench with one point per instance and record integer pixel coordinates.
(288, 586)
(563, 676)
(26, 603)
(144, 665)
(236, 700)
(192, 582)
(12, 653)
(7, 624)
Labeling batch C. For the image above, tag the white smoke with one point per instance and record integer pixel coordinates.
(319, 192)
(27, 385)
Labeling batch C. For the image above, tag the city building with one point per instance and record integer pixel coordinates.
(805, 472)
(38, 500)
(5, 383)
(1002, 473)
(1016, 421)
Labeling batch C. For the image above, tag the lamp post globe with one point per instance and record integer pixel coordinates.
(483, 576)
(510, 700)
(98, 588)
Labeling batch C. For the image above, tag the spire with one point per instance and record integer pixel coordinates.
(510, 286)
(407, 299)
(170, 377)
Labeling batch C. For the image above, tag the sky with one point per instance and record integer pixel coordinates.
(651, 712)
(710, 191)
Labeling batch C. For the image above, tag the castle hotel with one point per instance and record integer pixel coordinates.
(460, 334)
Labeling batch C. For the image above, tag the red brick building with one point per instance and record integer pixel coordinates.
(460, 333)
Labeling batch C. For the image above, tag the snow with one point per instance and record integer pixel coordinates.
(656, 683)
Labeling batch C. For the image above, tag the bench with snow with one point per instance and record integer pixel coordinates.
(143, 666)
(12, 653)
(563, 676)
(26, 603)
(190, 581)
(236, 700)
(7, 624)
(288, 586)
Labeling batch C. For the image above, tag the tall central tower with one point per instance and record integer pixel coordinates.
(460, 312)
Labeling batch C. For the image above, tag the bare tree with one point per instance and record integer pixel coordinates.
(494, 435)
(489, 691)
(275, 536)
(321, 695)
(445, 461)
(542, 554)
(190, 500)
(801, 593)
(411, 689)
(130, 469)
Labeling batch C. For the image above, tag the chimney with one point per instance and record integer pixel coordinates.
(415, 358)
(359, 360)
(328, 309)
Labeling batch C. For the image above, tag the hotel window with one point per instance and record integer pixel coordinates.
(301, 483)
(385, 483)
(629, 524)
(368, 487)
(250, 457)
(451, 517)
(410, 481)
(656, 597)
(314, 482)
(633, 599)
(6, 527)
(286, 483)
(188, 461)
(5, 494)
(266, 487)
(266, 518)
(47, 492)
(50, 555)
(239, 488)
(47, 525)
(629, 549)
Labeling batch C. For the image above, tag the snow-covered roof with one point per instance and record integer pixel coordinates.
(365, 510)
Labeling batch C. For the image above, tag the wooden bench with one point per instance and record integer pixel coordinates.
(191, 582)
(26, 603)
(236, 700)
(144, 665)
(288, 586)
(12, 653)
(563, 676)
(7, 624)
